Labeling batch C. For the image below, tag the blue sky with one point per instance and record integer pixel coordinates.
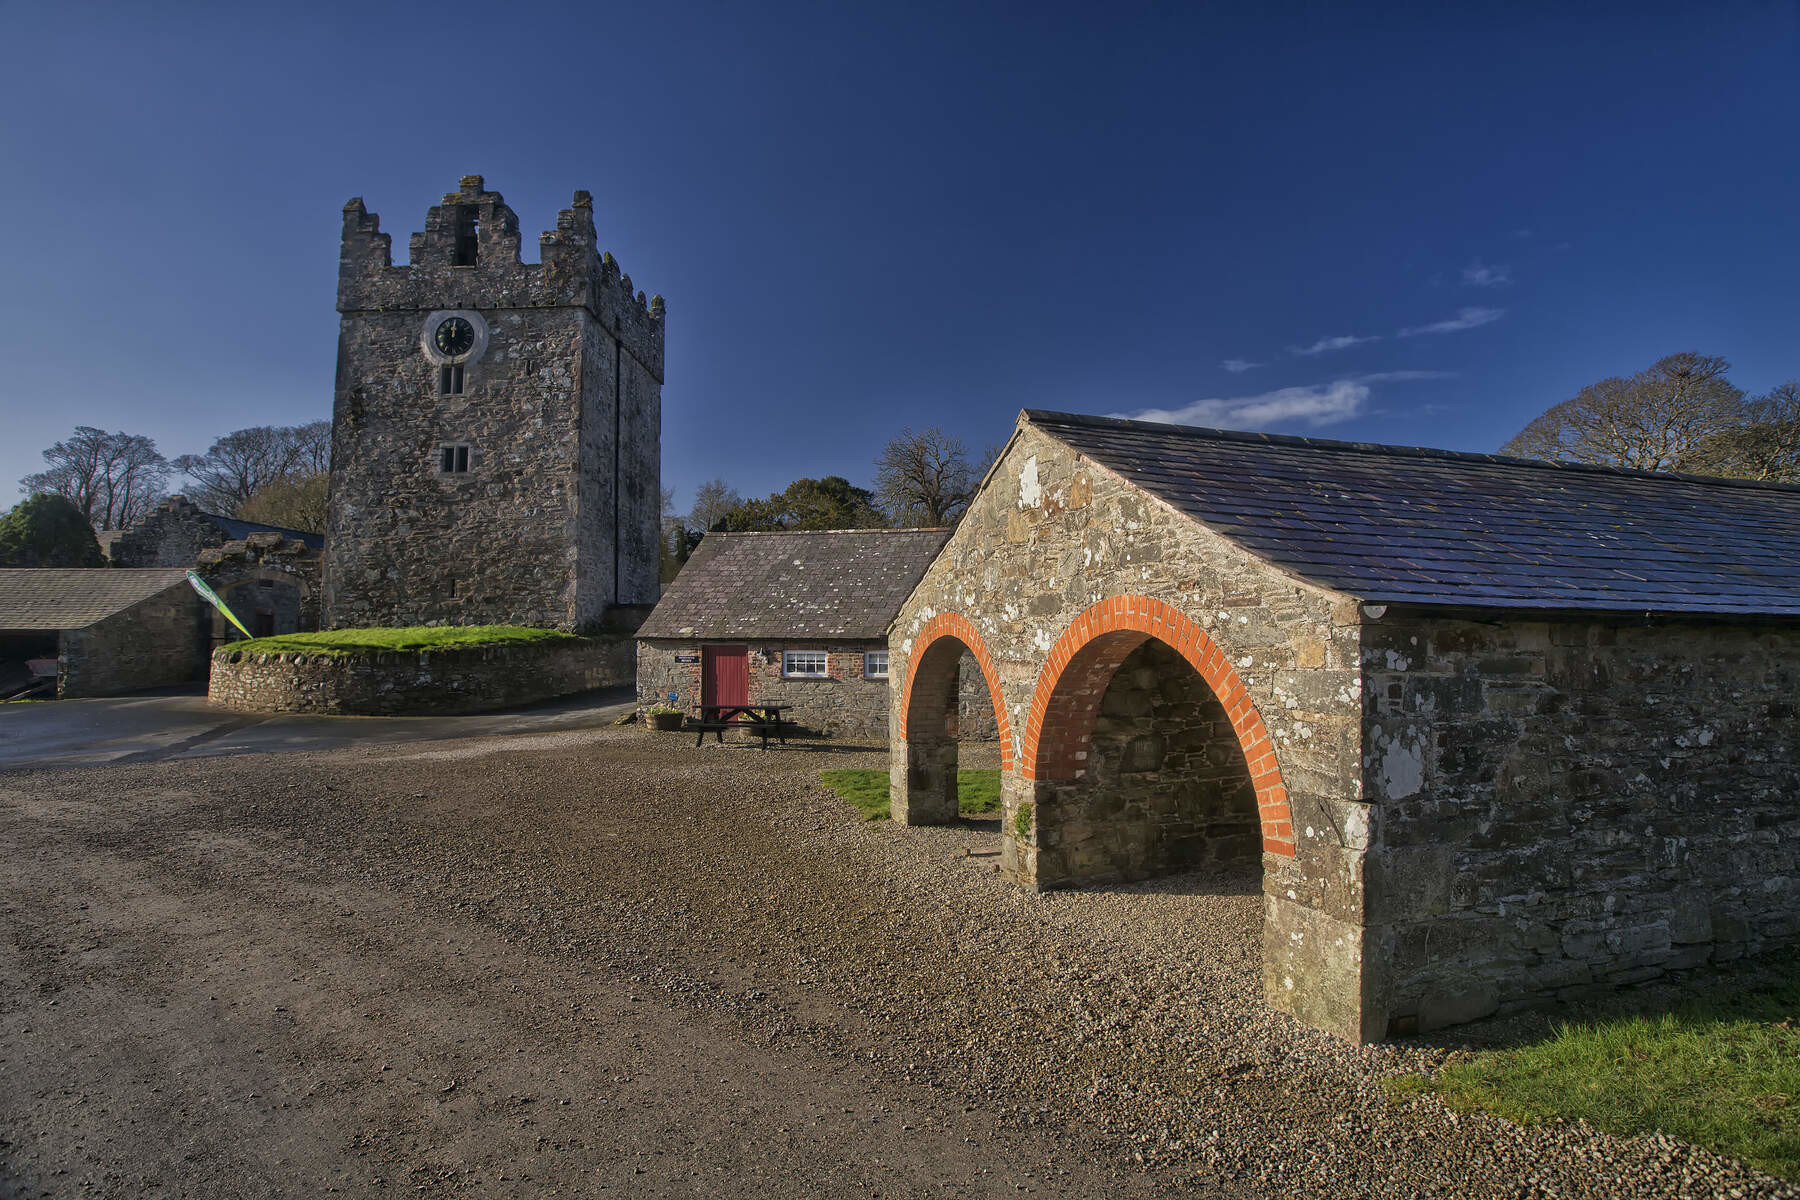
(1420, 224)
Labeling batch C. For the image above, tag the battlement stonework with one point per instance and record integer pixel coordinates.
(496, 428)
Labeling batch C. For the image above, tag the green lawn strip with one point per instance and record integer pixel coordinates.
(344, 643)
(1722, 1073)
(976, 791)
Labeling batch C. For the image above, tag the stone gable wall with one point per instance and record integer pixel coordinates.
(1050, 536)
(1570, 804)
(173, 535)
(157, 642)
(444, 682)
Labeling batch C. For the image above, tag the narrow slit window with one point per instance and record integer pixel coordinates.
(468, 241)
(450, 379)
(453, 460)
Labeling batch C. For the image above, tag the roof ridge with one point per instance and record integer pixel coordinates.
(1039, 416)
(794, 532)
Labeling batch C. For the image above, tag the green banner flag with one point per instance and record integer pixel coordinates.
(213, 598)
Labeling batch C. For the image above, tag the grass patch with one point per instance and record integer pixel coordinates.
(1722, 1071)
(976, 791)
(351, 643)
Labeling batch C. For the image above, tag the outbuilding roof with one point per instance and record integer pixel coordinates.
(840, 583)
(47, 599)
(1404, 525)
(238, 530)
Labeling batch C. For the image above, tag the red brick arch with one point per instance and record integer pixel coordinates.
(956, 627)
(1080, 667)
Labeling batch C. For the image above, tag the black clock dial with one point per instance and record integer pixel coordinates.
(455, 336)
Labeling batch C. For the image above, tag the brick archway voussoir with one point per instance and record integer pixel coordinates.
(1174, 628)
(958, 628)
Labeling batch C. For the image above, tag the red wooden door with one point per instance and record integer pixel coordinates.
(724, 675)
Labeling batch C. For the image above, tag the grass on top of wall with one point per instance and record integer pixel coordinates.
(1721, 1071)
(976, 791)
(353, 643)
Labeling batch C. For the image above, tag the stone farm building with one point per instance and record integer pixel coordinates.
(108, 631)
(1491, 731)
(269, 575)
(797, 619)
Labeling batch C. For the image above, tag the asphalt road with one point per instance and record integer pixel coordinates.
(150, 727)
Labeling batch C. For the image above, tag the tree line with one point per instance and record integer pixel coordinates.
(273, 474)
(923, 479)
(1682, 413)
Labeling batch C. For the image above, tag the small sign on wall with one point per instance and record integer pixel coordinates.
(687, 658)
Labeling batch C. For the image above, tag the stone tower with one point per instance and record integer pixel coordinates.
(496, 433)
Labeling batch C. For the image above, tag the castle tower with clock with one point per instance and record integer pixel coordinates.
(496, 433)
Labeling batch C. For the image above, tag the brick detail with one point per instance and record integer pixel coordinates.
(1081, 665)
(940, 669)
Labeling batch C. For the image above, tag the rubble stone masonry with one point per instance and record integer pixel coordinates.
(845, 704)
(459, 680)
(1455, 815)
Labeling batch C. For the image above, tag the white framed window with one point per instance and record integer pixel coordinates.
(875, 664)
(804, 664)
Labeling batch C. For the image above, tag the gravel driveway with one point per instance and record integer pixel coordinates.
(605, 962)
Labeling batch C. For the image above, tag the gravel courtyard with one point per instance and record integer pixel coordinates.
(603, 962)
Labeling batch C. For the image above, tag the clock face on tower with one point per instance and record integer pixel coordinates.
(454, 337)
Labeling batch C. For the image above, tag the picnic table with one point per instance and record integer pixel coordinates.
(762, 719)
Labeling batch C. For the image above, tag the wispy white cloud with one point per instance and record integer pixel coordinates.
(1402, 376)
(1479, 274)
(1468, 318)
(1326, 345)
(1319, 404)
(1238, 366)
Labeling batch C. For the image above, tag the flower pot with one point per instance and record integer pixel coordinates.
(664, 722)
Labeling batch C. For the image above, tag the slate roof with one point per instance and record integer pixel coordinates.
(1403, 525)
(237, 530)
(46, 599)
(832, 584)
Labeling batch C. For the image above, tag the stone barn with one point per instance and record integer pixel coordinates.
(269, 575)
(793, 618)
(1492, 731)
(108, 631)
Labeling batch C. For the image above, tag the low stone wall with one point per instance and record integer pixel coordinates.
(436, 682)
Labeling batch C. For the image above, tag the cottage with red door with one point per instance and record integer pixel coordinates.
(798, 619)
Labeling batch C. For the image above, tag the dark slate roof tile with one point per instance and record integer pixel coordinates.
(1406, 525)
(45, 599)
(831, 584)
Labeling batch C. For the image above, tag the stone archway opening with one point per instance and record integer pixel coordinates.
(1154, 780)
(951, 719)
(267, 602)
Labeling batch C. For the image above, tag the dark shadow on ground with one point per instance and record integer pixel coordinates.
(1719, 987)
(1201, 881)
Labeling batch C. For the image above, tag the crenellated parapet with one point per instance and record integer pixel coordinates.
(468, 256)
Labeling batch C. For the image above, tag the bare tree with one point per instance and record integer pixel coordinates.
(1765, 446)
(712, 500)
(115, 479)
(1657, 420)
(243, 463)
(924, 478)
(296, 502)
